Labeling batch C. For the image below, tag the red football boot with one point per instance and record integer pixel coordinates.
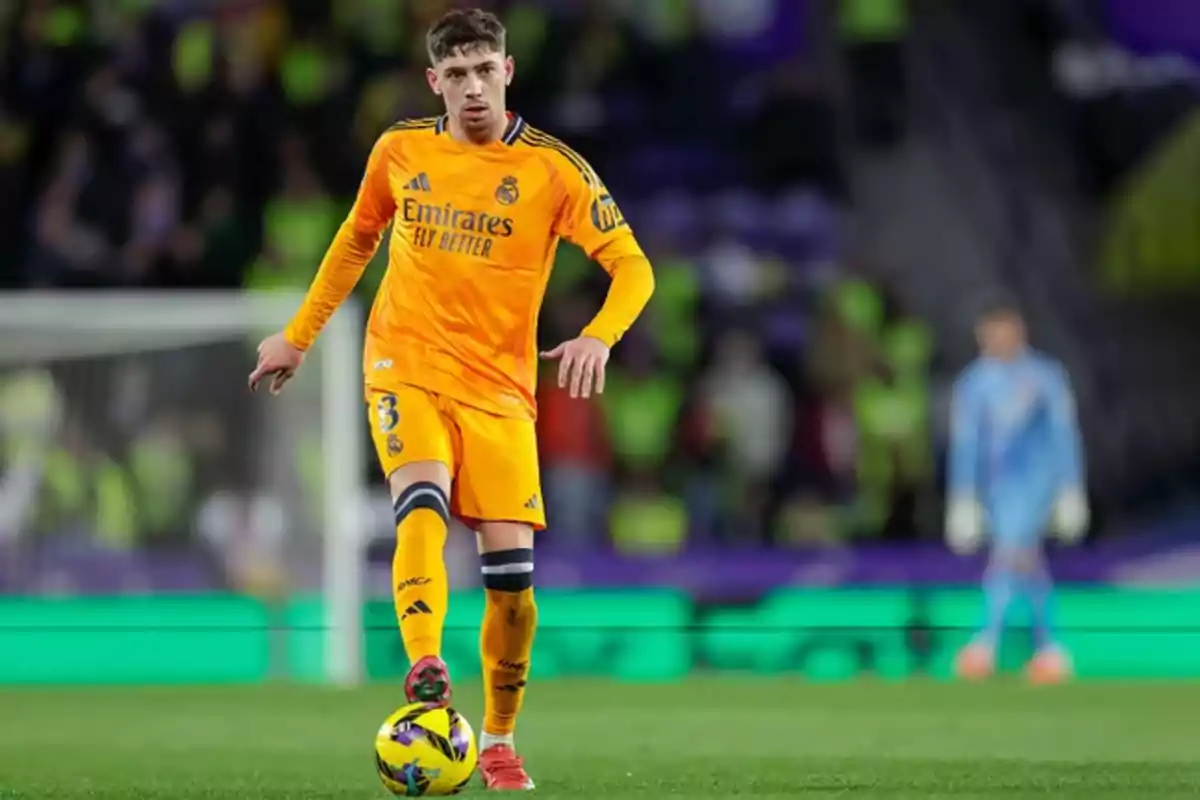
(428, 682)
(503, 770)
(975, 662)
(1049, 666)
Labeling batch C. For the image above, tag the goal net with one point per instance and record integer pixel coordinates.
(135, 463)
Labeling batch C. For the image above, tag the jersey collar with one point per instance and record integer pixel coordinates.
(511, 133)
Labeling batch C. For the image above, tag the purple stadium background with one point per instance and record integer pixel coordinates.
(1156, 26)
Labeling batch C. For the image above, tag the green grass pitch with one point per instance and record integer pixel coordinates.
(719, 737)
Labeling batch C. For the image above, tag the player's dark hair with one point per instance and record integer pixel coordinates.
(464, 31)
(996, 304)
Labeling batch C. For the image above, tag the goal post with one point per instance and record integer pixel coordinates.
(275, 493)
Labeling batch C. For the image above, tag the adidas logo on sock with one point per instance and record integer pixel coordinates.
(418, 184)
(418, 607)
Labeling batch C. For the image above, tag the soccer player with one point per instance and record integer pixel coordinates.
(1015, 472)
(478, 200)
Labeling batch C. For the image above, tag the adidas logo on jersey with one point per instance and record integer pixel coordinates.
(418, 184)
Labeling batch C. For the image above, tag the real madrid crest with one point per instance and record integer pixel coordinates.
(507, 192)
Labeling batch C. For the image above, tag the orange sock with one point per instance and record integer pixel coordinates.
(419, 583)
(506, 639)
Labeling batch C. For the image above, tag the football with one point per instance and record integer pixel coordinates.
(425, 750)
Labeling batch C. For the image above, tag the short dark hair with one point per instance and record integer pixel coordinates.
(464, 30)
(997, 303)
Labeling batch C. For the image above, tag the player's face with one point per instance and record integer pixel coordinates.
(473, 83)
(1001, 335)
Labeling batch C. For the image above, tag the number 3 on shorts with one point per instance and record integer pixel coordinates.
(385, 411)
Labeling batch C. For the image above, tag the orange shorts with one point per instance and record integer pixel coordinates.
(493, 460)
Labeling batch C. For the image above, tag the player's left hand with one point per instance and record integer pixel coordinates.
(582, 363)
(1071, 516)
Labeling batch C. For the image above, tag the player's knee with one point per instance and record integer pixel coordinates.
(419, 472)
(422, 494)
(508, 570)
(1017, 559)
(500, 535)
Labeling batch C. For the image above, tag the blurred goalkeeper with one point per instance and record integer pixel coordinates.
(1015, 473)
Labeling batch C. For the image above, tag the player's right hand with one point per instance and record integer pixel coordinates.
(277, 358)
(964, 525)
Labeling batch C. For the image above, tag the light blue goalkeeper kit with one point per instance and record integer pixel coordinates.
(1015, 450)
(1014, 443)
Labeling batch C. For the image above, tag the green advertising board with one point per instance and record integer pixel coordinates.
(654, 635)
(209, 639)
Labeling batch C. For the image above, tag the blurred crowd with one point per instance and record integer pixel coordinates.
(768, 397)
(733, 437)
(143, 144)
(774, 393)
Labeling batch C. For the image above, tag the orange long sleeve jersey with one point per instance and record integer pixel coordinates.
(475, 231)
